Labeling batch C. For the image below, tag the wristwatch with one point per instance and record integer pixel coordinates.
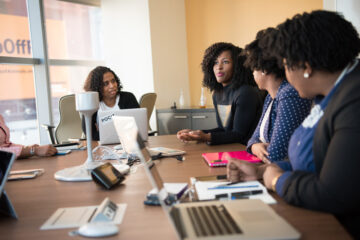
(32, 151)
(273, 183)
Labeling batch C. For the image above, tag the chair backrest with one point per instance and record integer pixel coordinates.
(148, 101)
(70, 121)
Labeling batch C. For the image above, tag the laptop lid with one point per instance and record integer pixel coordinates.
(107, 133)
(6, 161)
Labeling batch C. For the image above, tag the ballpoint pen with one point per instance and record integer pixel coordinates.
(228, 184)
(232, 187)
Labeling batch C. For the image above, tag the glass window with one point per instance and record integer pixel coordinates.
(14, 29)
(17, 103)
(17, 94)
(73, 30)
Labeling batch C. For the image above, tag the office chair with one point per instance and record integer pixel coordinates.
(148, 101)
(70, 122)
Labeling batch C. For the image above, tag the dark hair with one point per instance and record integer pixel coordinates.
(257, 57)
(323, 39)
(241, 74)
(94, 81)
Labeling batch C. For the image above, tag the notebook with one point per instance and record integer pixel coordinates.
(218, 159)
(235, 219)
(107, 133)
(6, 161)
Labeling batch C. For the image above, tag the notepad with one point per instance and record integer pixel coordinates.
(208, 190)
(219, 158)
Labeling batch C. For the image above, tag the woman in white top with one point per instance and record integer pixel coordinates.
(104, 81)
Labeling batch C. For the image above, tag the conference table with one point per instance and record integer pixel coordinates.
(35, 200)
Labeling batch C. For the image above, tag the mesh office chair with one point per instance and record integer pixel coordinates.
(148, 101)
(70, 122)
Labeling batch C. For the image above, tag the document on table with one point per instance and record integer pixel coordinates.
(74, 217)
(208, 190)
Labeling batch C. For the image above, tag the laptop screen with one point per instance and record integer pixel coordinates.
(6, 161)
(106, 124)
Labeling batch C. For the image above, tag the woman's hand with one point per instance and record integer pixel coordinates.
(183, 135)
(186, 135)
(238, 170)
(271, 172)
(45, 150)
(260, 150)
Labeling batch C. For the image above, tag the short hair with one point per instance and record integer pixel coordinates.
(241, 75)
(323, 39)
(94, 81)
(257, 56)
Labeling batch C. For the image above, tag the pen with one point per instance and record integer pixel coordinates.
(233, 187)
(228, 184)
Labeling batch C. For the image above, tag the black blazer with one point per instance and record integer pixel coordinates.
(334, 186)
(127, 100)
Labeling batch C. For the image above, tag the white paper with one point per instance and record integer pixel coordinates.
(75, 217)
(204, 193)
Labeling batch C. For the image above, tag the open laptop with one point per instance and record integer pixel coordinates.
(235, 219)
(6, 161)
(106, 126)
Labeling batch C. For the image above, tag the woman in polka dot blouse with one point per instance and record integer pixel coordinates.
(283, 110)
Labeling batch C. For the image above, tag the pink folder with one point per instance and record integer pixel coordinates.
(217, 159)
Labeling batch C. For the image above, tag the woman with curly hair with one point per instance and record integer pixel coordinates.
(236, 98)
(104, 81)
(283, 109)
(319, 51)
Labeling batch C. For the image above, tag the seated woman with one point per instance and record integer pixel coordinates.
(283, 109)
(319, 51)
(22, 151)
(104, 81)
(236, 98)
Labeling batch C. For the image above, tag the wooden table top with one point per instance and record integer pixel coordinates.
(36, 199)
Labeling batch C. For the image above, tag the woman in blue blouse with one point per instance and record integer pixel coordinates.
(283, 109)
(319, 51)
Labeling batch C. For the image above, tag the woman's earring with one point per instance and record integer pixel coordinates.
(262, 73)
(306, 75)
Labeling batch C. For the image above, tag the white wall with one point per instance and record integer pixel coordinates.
(145, 44)
(127, 43)
(169, 51)
(350, 9)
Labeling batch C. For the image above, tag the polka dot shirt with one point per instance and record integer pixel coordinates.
(287, 113)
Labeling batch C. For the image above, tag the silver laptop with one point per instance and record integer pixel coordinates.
(107, 133)
(6, 161)
(235, 219)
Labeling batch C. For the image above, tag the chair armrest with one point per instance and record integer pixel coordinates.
(50, 130)
(152, 133)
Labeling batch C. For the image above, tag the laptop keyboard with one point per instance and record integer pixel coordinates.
(212, 220)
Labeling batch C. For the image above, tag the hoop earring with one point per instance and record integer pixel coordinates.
(306, 75)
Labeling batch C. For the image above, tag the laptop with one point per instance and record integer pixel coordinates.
(6, 161)
(235, 219)
(107, 133)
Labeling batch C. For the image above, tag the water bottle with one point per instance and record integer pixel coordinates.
(181, 99)
(202, 99)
